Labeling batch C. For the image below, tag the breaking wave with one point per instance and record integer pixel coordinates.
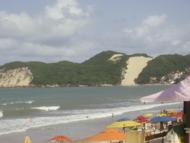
(18, 102)
(1, 114)
(47, 108)
(8, 126)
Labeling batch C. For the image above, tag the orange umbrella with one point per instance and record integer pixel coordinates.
(176, 114)
(60, 139)
(109, 134)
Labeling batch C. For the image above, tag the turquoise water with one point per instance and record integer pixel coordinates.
(23, 108)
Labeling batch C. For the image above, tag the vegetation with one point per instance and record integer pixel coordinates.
(95, 71)
(163, 65)
(99, 69)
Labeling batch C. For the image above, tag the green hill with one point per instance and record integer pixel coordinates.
(100, 69)
(162, 66)
(95, 71)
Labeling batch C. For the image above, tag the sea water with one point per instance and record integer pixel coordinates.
(25, 108)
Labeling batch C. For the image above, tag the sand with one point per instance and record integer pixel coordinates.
(115, 57)
(75, 130)
(134, 67)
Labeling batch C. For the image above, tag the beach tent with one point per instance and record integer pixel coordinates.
(124, 124)
(108, 135)
(27, 139)
(172, 137)
(177, 92)
(60, 139)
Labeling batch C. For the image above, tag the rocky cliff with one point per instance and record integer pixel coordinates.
(19, 77)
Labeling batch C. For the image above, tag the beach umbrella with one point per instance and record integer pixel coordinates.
(161, 114)
(124, 124)
(175, 92)
(109, 135)
(176, 114)
(148, 115)
(27, 139)
(142, 119)
(60, 139)
(162, 119)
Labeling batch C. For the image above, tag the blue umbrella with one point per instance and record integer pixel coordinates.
(162, 119)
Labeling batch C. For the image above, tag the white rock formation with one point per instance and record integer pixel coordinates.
(19, 77)
(134, 67)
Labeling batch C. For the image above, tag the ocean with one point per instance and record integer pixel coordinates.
(25, 108)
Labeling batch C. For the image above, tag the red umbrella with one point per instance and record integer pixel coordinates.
(142, 119)
(60, 139)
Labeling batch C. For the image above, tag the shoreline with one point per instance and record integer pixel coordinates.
(75, 130)
(83, 86)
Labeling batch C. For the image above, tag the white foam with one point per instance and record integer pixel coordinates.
(18, 102)
(8, 126)
(1, 114)
(47, 108)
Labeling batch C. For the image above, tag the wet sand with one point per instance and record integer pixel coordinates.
(75, 130)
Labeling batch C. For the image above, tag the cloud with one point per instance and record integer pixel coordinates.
(50, 33)
(155, 35)
(63, 18)
(147, 26)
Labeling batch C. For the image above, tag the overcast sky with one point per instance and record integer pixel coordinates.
(54, 30)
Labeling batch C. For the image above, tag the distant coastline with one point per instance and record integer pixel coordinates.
(107, 68)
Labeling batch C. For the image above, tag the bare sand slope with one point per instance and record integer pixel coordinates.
(115, 57)
(133, 68)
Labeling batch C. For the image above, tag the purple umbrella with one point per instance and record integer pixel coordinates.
(176, 92)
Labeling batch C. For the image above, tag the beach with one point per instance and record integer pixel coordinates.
(75, 130)
(44, 113)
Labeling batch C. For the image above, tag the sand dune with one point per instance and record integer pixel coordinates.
(134, 67)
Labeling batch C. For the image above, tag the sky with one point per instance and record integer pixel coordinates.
(75, 30)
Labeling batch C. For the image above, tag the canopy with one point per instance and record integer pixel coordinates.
(108, 135)
(172, 137)
(142, 119)
(148, 115)
(176, 92)
(124, 124)
(176, 114)
(162, 119)
(161, 114)
(60, 138)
